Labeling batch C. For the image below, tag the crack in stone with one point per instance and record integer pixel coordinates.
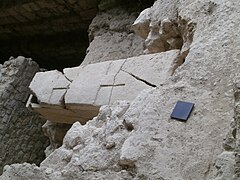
(179, 60)
(110, 64)
(67, 78)
(63, 98)
(101, 85)
(67, 88)
(97, 94)
(114, 79)
(61, 88)
(140, 79)
(112, 85)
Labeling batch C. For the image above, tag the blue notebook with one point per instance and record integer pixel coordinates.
(182, 110)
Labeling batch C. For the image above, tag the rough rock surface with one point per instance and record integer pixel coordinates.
(56, 133)
(77, 94)
(111, 37)
(165, 30)
(138, 140)
(21, 138)
(236, 130)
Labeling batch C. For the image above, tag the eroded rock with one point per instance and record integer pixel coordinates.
(165, 30)
(158, 147)
(225, 164)
(237, 126)
(55, 132)
(111, 37)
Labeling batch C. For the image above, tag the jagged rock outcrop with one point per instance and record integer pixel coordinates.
(21, 138)
(111, 37)
(165, 30)
(78, 94)
(138, 140)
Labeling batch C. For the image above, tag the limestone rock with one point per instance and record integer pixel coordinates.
(150, 17)
(56, 133)
(28, 172)
(138, 140)
(225, 164)
(49, 87)
(111, 37)
(165, 30)
(32, 172)
(94, 85)
(236, 133)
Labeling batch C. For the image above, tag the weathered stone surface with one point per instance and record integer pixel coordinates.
(56, 133)
(91, 86)
(50, 87)
(236, 133)
(21, 138)
(31, 172)
(111, 37)
(152, 17)
(165, 30)
(225, 164)
(139, 140)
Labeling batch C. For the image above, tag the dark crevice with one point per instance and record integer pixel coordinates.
(133, 5)
(112, 85)
(129, 126)
(186, 29)
(140, 79)
(58, 51)
(180, 59)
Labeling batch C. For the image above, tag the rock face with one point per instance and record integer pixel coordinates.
(78, 94)
(56, 133)
(236, 130)
(21, 138)
(165, 30)
(111, 37)
(137, 139)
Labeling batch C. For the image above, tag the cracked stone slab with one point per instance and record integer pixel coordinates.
(49, 87)
(78, 94)
(89, 81)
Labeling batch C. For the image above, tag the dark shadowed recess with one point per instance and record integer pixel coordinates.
(138, 4)
(52, 33)
(57, 51)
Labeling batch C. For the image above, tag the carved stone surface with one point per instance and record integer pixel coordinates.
(77, 94)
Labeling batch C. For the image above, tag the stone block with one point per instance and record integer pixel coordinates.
(78, 94)
(49, 87)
